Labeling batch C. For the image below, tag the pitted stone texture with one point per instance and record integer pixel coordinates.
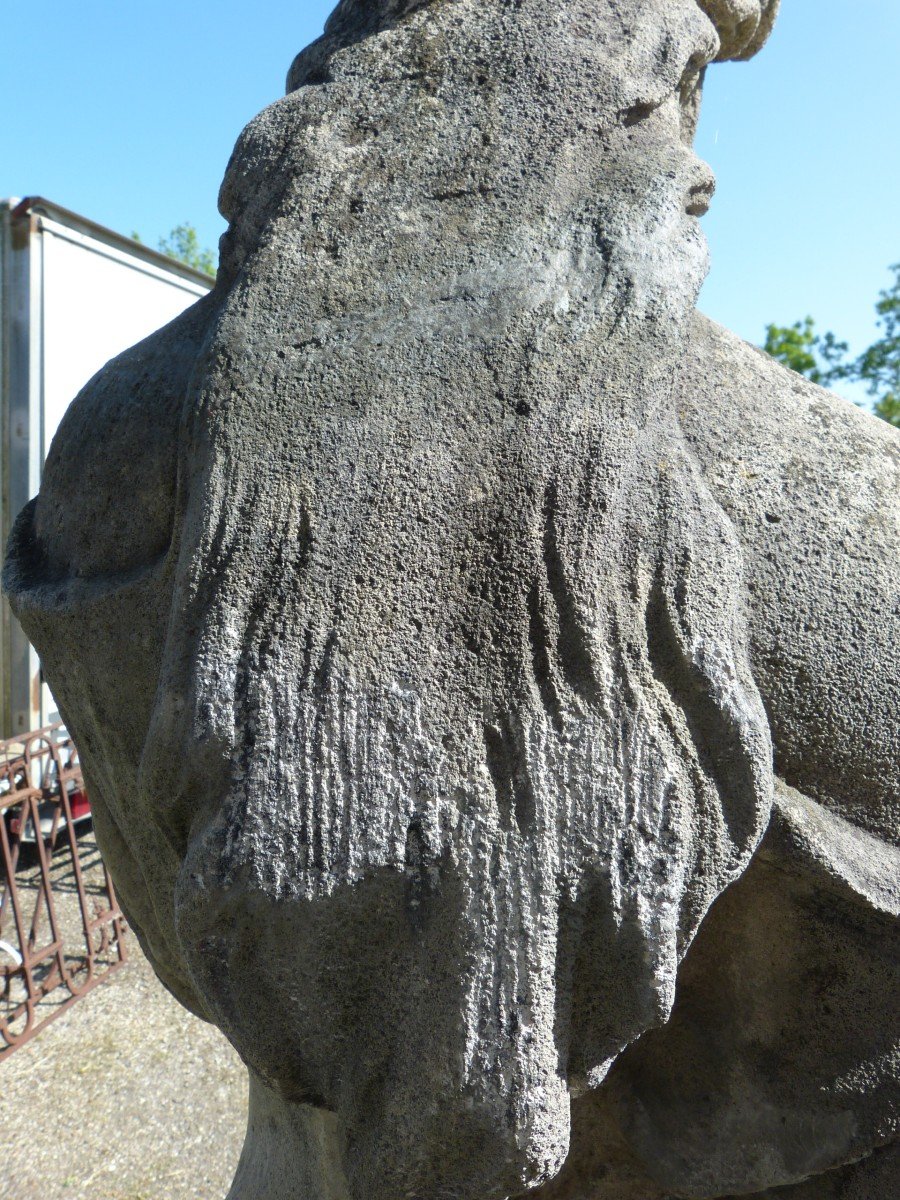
(419, 712)
(780, 1059)
(812, 485)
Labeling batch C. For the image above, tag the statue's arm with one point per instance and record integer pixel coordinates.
(95, 545)
(778, 1055)
(813, 487)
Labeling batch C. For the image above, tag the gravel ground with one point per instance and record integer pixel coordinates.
(125, 1096)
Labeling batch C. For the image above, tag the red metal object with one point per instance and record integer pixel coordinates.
(42, 795)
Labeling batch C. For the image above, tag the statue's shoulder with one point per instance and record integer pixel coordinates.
(812, 486)
(736, 393)
(119, 439)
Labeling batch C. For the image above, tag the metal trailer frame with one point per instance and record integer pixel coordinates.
(45, 966)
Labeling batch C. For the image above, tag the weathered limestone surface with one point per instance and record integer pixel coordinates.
(433, 598)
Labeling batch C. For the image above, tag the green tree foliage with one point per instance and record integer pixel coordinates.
(822, 358)
(879, 366)
(793, 346)
(184, 244)
(817, 356)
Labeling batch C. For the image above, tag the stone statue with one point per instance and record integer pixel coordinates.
(429, 605)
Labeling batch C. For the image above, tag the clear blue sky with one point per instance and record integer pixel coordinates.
(127, 113)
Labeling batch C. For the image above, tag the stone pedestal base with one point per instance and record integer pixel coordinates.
(291, 1152)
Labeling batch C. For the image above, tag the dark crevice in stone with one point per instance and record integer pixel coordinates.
(573, 646)
(512, 786)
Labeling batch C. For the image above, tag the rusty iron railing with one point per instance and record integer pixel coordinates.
(60, 934)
